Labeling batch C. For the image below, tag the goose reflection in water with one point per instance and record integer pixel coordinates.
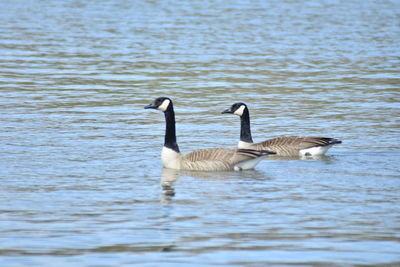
(170, 176)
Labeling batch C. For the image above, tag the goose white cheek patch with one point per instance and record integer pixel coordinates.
(164, 105)
(239, 111)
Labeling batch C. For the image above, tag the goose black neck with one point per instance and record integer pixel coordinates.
(245, 132)
(170, 132)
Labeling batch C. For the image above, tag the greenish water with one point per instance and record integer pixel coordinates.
(81, 181)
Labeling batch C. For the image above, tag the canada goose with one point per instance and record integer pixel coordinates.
(213, 159)
(282, 146)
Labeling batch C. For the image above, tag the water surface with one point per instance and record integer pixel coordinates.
(80, 173)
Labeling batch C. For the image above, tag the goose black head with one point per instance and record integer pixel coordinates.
(237, 109)
(160, 103)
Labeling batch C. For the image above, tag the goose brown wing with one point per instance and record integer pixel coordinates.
(209, 154)
(218, 158)
(222, 154)
(290, 145)
(212, 159)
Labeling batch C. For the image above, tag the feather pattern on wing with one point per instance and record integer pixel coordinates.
(291, 145)
(220, 159)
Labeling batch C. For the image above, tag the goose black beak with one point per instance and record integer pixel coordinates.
(151, 105)
(227, 111)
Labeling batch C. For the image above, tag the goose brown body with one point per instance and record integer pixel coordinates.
(219, 159)
(292, 145)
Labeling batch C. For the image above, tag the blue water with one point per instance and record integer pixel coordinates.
(81, 181)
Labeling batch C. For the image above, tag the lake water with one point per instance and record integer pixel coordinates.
(81, 181)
